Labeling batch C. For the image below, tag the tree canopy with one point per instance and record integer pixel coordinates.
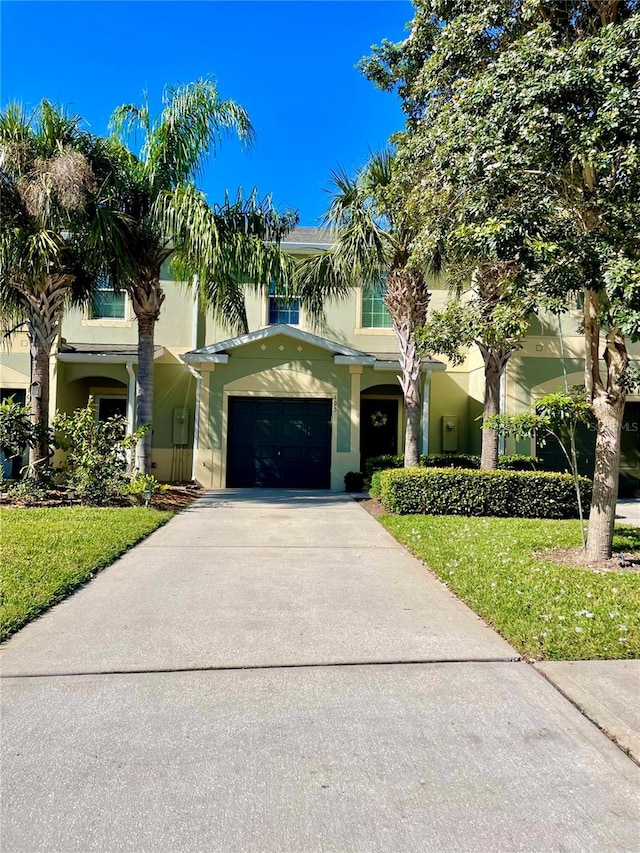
(522, 145)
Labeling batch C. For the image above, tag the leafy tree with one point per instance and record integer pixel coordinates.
(492, 316)
(221, 248)
(57, 230)
(373, 241)
(525, 119)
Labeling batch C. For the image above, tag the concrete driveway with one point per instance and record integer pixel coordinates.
(271, 671)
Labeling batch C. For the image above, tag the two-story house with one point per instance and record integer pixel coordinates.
(288, 404)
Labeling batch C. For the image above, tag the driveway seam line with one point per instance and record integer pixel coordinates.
(241, 668)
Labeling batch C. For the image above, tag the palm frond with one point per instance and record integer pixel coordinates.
(189, 129)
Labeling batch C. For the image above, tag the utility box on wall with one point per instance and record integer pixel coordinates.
(449, 433)
(180, 432)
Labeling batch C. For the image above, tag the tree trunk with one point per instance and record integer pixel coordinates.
(413, 413)
(144, 390)
(39, 405)
(147, 298)
(407, 299)
(607, 403)
(609, 417)
(495, 362)
(46, 304)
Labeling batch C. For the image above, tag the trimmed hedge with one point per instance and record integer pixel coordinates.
(515, 494)
(453, 460)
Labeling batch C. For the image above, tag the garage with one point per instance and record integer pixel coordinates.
(279, 443)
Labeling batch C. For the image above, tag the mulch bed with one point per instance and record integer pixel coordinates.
(627, 563)
(174, 498)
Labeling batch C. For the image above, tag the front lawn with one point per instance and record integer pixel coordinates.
(46, 553)
(547, 611)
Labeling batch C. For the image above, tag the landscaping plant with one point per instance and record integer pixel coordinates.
(96, 461)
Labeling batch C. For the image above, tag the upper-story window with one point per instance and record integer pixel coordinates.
(374, 311)
(107, 303)
(282, 309)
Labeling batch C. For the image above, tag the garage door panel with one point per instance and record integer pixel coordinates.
(279, 443)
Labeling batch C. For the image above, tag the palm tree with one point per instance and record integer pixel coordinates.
(220, 248)
(57, 235)
(372, 242)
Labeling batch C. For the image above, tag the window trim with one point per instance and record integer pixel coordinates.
(125, 321)
(265, 312)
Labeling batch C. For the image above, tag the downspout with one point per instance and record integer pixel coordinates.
(131, 405)
(196, 421)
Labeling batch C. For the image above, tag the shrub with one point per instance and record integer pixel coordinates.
(16, 432)
(141, 483)
(518, 494)
(29, 491)
(96, 453)
(354, 481)
(376, 485)
(381, 463)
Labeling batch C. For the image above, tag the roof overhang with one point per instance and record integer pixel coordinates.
(78, 354)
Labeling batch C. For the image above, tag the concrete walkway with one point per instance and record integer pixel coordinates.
(271, 671)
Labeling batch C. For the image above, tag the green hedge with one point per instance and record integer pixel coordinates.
(446, 491)
(453, 460)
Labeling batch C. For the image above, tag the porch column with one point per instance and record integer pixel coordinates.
(356, 373)
(426, 405)
(131, 397)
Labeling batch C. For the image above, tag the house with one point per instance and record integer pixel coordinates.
(288, 404)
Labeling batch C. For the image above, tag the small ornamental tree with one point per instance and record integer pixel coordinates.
(554, 416)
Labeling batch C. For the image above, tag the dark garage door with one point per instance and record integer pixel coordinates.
(279, 443)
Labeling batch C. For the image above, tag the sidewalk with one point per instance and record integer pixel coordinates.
(271, 671)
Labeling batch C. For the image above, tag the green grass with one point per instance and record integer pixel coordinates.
(547, 611)
(46, 553)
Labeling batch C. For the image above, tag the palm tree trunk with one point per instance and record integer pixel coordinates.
(39, 405)
(407, 299)
(144, 390)
(147, 298)
(46, 304)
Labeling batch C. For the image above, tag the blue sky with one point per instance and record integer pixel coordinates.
(290, 64)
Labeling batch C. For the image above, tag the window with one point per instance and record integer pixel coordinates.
(374, 311)
(282, 309)
(107, 303)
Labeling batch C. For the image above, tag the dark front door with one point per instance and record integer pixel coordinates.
(378, 427)
(279, 443)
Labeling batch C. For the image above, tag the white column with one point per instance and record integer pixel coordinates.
(356, 372)
(426, 404)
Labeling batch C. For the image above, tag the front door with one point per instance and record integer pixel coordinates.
(378, 428)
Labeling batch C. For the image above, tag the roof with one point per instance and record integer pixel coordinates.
(105, 353)
(309, 237)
